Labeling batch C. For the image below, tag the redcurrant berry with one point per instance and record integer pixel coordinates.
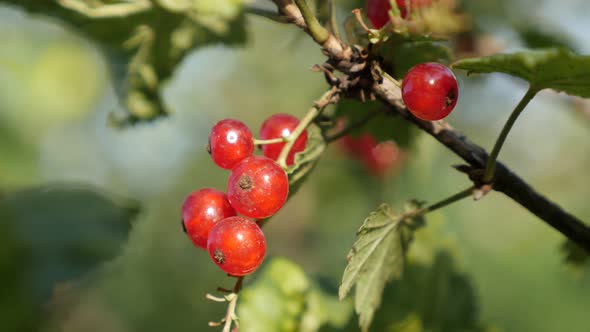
(403, 7)
(236, 245)
(430, 91)
(382, 158)
(378, 12)
(378, 158)
(356, 147)
(201, 210)
(257, 187)
(230, 141)
(281, 126)
(414, 4)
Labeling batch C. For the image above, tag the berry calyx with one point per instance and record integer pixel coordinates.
(378, 12)
(430, 91)
(230, 141)
(201, 210)
(257, 187)
(237, 245)
(281, 126)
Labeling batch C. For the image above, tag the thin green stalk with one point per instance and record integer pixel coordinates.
(445, 202)
(269, 141)
(491, 164)
(449, 200)
(316, 30)
(312, 113)
(273, 16)
(334, 19)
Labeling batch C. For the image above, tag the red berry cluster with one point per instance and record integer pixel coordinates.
(257, 188)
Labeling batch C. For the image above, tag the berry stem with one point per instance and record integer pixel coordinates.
(449, 200)
(384, 74)
(440, 204)
(230, 315)
(269, 141)
(334, 19)
(273, 16)
(327, 98)
(316, 30)
(491, 163)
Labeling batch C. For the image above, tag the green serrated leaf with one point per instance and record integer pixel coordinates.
(376, 257)
(284, 299)
(306, 160)
(557, 68)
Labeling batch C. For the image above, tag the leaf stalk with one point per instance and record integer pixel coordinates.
(491, 163)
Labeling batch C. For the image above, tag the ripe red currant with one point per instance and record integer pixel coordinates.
(414, 4)
(201, 210)
(430, 91)
(378, 158)
(230, 141)
(378, 12)
(257, 187)
(277, 126)
(382, 158)
(236, 245)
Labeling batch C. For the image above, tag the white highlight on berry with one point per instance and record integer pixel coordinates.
(232, 137)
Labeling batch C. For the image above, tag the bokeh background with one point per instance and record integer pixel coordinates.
(75, 190)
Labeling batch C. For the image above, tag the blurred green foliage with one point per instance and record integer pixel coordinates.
(474, 264)
(145, 40)
(284, 299)
(55, 234)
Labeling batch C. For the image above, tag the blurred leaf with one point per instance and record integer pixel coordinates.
(541, 37)
(144, 40)
(66, 231)
(382, 127)
(284, 299)
(433, 297)
(412, 323)
(574, 254)
(322, 308)
(401, 54)
(306, 160)
(557, 69)
(376, 257)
